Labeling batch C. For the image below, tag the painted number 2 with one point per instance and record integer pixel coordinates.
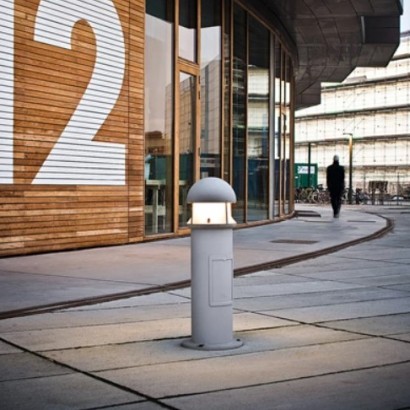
(76, 158)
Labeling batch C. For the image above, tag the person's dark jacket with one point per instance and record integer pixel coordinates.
(335, 178)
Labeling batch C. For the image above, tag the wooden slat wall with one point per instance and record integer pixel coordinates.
(86, 198)
(136, 125)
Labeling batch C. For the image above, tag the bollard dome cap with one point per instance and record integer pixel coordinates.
(211, 189)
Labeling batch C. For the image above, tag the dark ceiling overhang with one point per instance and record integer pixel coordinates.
(330, 38)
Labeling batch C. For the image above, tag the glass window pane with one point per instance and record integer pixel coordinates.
(187, 129)
(239, 111)
(187, 29)
(284, 126)
(258, 122)
(278, 129)
(211, 89)
(158, 116)
(227, 92)
(287, 131)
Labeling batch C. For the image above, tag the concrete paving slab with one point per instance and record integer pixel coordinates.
(313, 299)
(25, 365)
(391, 254)
(320, 314)
(291, 288)
(115, 263)
(378, 269)
(403, 287)
(161, 298)
(255, 291)
(377, 326)
(168, 351)
(268, 278)
(196, 376)
(5, 348)
(403, 261)
(76, 318)
(388, 278)
(332, 263)
(404, 336)
(389, 240)
(127, 355)
(249, 257)
(21, 290)
(51, 339)
(72, 391)
(252, 321)
(147, 405)
(74, 337)
(380, 388)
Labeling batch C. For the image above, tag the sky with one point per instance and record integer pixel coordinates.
(405, 18)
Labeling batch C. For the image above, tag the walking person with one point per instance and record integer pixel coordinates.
(335, 178)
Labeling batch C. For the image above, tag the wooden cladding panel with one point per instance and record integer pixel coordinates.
(136, 121)
(36, 221)
(76, 183)
(54, 74)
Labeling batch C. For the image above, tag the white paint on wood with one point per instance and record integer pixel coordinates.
(95, 12)
(6, 91)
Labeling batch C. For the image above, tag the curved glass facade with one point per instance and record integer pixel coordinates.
(219, 102)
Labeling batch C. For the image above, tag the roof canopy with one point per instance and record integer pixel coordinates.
(329, 38)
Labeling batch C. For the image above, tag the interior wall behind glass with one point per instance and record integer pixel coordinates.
(258, 122)
(158, 116)
(239, 111)
(211, 88)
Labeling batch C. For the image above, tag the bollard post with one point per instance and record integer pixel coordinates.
(212, 266)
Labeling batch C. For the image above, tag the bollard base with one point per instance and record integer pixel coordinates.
(233, 344)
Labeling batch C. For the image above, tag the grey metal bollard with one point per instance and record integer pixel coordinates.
(212, 266)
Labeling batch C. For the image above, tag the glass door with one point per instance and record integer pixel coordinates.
(158, 111)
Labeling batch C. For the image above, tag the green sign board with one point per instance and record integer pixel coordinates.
(302, 175)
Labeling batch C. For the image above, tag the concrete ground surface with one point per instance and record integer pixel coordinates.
(331, 332)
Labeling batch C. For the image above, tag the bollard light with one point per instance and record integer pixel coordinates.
(212, 265)
(211, 213)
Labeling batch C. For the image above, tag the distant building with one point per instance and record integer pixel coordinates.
(373, 107)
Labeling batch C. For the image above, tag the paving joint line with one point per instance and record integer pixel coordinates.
(89, 374)
(284, 380)
(52, 307)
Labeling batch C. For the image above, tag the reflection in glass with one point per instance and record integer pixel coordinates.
(187, 129)
(284, 127)
(278, 129)
(286, 133)
(187, 29)
(158, 116)
(227, 93)
(239, 112)
(258, 122)
(210, 89)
